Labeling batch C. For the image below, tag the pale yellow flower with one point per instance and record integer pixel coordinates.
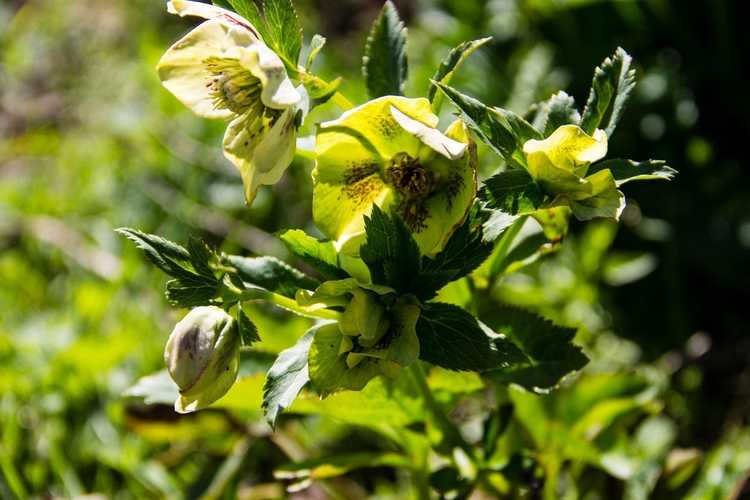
(222, 69)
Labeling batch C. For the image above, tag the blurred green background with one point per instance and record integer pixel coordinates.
(89, 141)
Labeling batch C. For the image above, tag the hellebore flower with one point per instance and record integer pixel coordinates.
(223, 69)
(387, 152)
(559, 164)
(376, 335)
(203, 356)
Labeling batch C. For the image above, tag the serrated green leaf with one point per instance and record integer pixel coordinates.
(201, 256)
(250, 11)
(390, 251)
(448, 67)
(452, 338)
(286, 377)
(558, 110)
(385, 65)
(191, 292)
(613, 81)
(248, 330)
(272, 274)
(549, 348)
(284, 30)
(277, 22)
(316, 45)
(628, 170)
(513, 191)
(320, 255)
(502, 130)
(464, 252)
(168, 256)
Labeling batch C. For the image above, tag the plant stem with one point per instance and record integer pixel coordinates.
(503, 248)
(228, 469)
(258, 295)
(342, 102)
(449, 430)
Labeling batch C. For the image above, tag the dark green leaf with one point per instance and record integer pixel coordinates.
(384, 65)
(201, 256)
(321, 255)
(551, 353)
(277, 23)
(287, 376)
(449, 65)
(512, 191)
(613, 81)
(170, 257)
(284, 31)
(250, 11)
(558, 110)
(463, 253)
(452, 338)
(390, 251)
(272, 274)
(248, 330)
(191, 291)
(504, 131)
(628, 170)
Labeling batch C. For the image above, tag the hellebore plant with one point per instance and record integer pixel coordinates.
(413, 240)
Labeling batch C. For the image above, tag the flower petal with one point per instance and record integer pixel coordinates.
(278, 90)
(604, 201)
(448, 206)
(260, 154)
(430, 136)
(560, 161)
(347, 183)
(208, 11)
(182, 68)
(373, 123)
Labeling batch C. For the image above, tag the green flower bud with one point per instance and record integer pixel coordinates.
(560, 164)
(202, 357)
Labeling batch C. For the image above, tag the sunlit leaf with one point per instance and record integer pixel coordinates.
(384, 65)
(613, 81)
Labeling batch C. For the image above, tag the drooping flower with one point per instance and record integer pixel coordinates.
(560, 164)
(388, 152)
(376, 335)
(202, 356)
(222, 69)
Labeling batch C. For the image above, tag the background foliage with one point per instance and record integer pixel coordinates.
(89, 141)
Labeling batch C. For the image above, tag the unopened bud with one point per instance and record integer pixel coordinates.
(202, 357)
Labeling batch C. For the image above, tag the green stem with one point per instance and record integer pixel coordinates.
(256, 295)
(337, 98)
(446, 426)
(503, 248)
(228, 469)
(341, 101)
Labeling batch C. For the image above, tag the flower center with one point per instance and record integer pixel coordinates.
(409, 177)
(414, 183)
(232, 86)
